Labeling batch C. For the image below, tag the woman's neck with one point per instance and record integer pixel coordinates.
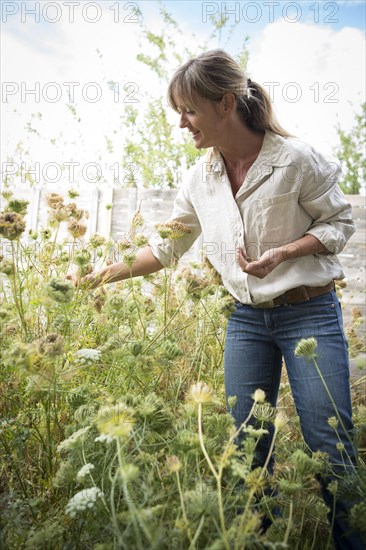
(240, 145)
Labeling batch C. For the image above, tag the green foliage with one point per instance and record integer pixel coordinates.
(351, 152)
(114, 429)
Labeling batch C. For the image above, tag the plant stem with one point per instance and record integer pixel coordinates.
(252, 492)
(17, 301)
(183, 508)
(217, 476)
(333, 403)
(289, 521)
(197, 533)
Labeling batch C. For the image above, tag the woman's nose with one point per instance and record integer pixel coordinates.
(182, 120)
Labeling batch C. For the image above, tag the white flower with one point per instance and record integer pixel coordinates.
(280, 421)
(200, 393)
(104, 438)
(73, 439)
(84, 471)
(83, 500)
(259, 396)
(87, 356)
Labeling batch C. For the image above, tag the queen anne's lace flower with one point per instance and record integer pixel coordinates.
(87, 356)
(76, 229)
(172, 230)
(73, 439)
(173, 464)
(200, 393)
(280, 421)
(83, 500)
(306, 348)
(60, 290)
(259, 396)
(12, 225)
(104, 438)
(84, 471)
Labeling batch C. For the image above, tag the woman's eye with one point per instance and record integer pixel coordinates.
(190, 112)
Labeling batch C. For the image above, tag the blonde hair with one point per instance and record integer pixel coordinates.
(214, 73)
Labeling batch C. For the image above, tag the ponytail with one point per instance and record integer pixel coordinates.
(255, 109)
(214, 73)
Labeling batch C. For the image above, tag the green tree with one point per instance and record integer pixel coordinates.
(155, 153)
(351, 152)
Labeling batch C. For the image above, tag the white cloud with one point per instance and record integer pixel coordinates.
(327, 67)
(302, 53)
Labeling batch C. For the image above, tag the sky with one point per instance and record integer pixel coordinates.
(59, 58)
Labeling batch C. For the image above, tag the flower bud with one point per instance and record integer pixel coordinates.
(259, 396)
(280, 421)
(306, 348)
(200, 393)
(173, 464)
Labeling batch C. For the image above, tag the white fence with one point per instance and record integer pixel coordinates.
(156, 206)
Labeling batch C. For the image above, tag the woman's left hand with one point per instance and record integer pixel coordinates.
(262, 267)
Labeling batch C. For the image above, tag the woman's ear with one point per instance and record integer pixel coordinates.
(228, 102)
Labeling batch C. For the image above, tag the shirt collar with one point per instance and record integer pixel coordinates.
(274, 152)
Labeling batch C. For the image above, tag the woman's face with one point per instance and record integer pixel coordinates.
(205, 123)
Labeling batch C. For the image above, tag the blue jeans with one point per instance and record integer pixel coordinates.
(257, 339)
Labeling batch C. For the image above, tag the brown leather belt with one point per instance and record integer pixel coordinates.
(296, 295)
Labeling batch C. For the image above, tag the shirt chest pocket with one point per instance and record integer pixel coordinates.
(279, 219)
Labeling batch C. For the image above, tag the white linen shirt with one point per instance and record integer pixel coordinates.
(291, 190)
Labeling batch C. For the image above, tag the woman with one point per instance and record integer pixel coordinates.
(273, 220)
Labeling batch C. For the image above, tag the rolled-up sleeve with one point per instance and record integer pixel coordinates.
(324, 201)
(169, 251)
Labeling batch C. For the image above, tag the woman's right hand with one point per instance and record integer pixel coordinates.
(90, 281)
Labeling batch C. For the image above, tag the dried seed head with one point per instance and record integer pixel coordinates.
(97, 240)
(54, 200)
(12, 225)
(172, 230)
(306, 348)
(356, 313)
(7, 267)
(76, 229)
(52, 345)
(137, 220)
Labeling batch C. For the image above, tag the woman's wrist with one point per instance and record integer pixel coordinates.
(302, 247)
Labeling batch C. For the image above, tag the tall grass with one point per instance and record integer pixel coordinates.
(114, 428)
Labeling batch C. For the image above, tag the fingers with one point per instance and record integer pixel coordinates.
(258, 268)
(242, 258)
(72, 277)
